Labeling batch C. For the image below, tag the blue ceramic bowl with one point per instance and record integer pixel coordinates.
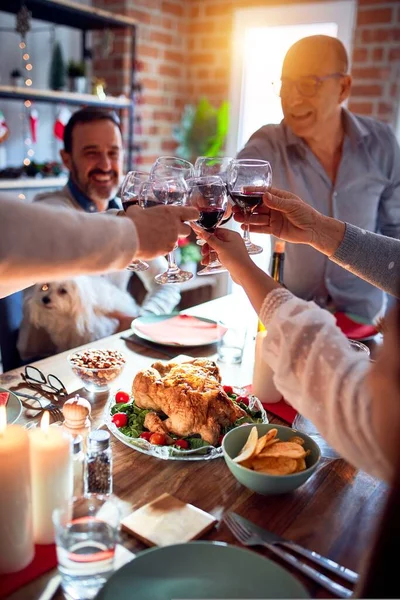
(263, 483)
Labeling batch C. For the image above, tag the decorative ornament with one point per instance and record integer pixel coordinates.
(33, 124)
(62, 119)
(23, 24)
(57, 69)
(98, 88)
(4, 131)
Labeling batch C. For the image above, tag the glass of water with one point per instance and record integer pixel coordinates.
(86, 535)
(232, 339)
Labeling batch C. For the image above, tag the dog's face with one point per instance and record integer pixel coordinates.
(61, 297)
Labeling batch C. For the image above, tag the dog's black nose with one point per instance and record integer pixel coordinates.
(46, 300)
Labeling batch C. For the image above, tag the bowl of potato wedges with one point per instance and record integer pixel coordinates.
(270, 459)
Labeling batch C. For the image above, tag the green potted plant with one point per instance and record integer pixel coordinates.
(76, 77)
(16, 78)
(202, 130)
(188, 255)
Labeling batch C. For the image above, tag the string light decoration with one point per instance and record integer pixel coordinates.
(30, 115)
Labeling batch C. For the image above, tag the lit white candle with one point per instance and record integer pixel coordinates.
(16, 540)
(52, 476)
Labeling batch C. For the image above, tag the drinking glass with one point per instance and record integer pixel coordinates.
(86, 535)
(208, 195)
(129, 194)
(171, 167)
(232, 339)
(166, 191)
(248, 180)
(210, 166)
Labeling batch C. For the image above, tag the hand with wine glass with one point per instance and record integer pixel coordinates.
(248, 180)
(164, 191)
(129, 194)
(208, 195)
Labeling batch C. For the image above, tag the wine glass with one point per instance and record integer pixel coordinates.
(130, 187)
(209, 166)
(166, 191)
(208, 195)
(171, 167)
(129, 194)
(248, 180)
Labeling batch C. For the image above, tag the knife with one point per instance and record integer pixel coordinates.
(272, 538)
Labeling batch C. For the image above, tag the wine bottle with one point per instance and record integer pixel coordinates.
(278, 261)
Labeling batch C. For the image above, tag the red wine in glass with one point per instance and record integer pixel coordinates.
(133, 201)
(210, 218)
(247, 202)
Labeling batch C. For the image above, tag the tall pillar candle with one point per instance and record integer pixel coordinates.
(263, 385)
(16, 539)
(52, 476)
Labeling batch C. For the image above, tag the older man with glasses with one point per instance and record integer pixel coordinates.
(345, 166)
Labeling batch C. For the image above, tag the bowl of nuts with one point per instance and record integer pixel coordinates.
(97, 369)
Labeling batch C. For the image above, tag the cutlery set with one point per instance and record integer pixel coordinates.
(249, 534)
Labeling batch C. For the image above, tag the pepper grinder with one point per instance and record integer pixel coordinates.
(76, 413)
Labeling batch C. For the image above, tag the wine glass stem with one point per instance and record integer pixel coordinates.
(246, 230)
(172, 266)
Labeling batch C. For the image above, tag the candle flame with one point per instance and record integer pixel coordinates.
(45, 421)
(3, 419)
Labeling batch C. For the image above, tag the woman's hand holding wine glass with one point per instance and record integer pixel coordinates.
(208, 195)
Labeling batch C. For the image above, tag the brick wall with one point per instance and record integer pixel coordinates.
(162, 70)
(376, 55)
(184, 47)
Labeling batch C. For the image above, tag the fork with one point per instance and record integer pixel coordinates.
(55, 411)
(248, 538)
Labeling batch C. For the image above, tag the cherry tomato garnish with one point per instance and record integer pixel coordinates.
(244, 399)
(158, 439)
(184, 444)
(120, 419)
(146, 435)
(228, 389)
(122, 397)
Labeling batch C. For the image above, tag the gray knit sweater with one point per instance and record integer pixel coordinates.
(373, 257)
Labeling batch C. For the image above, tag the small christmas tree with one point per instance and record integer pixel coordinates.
(57, 69)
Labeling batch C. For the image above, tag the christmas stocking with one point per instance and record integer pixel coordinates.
(62, 119)
(3, 128)
(33, 123)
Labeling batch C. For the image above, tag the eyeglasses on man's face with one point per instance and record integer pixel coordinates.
(38, 380)
(305, 86)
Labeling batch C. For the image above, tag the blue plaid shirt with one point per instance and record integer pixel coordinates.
(85, 202)
(366, 193)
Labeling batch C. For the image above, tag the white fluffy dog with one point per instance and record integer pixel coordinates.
(78, 311)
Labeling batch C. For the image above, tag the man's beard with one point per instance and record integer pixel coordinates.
(94, 190)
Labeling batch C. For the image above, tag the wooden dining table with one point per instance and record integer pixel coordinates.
(335, 513)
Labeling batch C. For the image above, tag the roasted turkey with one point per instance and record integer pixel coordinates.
(191, 396)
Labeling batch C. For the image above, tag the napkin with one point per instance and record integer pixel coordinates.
(280, 409)
(182, 330)
(4, 396)
(353, 329)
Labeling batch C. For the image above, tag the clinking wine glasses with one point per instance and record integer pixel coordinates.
(208, 195)
(129, 193)
(166, 191)
(248, 180)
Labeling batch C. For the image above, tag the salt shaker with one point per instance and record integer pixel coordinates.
(98, 463)
(78, 461)
(263, 385)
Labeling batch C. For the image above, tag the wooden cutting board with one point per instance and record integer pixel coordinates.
(167, 520)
